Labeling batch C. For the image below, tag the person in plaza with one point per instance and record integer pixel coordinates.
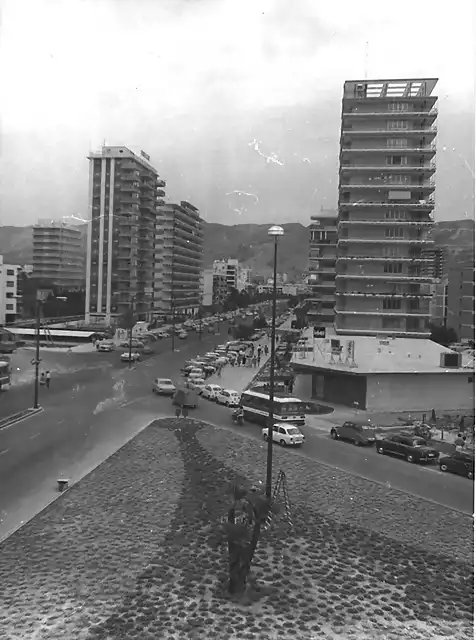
(459, 442)
(253, 362)
(43, 379)
(243, 360)
(48, 379)
(266, 349)
(259, 354)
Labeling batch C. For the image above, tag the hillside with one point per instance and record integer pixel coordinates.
(252, 246)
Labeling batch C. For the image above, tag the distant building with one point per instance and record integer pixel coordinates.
(321, 275)
(207, 299)
(461, 302)
(386, 203)
(9, 307)
(228, 268)
(58, 254)
(439, 302)
(124, 193)
(220, 290)
(178, 260)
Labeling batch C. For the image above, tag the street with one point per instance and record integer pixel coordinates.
(94, 413)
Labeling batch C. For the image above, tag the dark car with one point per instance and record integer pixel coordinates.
(359, 433)
(459, 462)
(412, 448)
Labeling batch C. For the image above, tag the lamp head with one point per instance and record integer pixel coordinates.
(276, 230)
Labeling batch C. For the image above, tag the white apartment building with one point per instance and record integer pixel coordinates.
(8, 292)
(207, 297)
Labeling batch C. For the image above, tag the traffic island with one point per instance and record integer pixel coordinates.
(18, 417)
(125, 553)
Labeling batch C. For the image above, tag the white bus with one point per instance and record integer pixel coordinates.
(286, 408)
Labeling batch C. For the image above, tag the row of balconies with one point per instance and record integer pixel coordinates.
(382, 294)
(399, 114)
(413, 148)
(402, 241)
(383, 312)
(415, 130)
(390, 277)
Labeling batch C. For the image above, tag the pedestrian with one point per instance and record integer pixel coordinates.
(48, 379)
(459, 442)
(253, 362)
(42, 379)
(219, 371)
(291, 386)
(266, 350)
(244, 360)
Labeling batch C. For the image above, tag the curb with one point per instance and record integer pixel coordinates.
(18, 417)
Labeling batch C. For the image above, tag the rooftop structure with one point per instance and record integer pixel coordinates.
(386, 202)
(124, 193)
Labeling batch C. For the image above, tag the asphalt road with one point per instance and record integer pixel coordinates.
(97, 412)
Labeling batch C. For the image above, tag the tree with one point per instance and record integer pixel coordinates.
(260, 322)
(241, 531)
(128, 320)
(443, 335)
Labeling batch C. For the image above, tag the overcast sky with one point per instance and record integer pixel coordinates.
(236, 101)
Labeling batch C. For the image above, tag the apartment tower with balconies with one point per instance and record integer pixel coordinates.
(384, 266)
(124, 193)
(178, 260)
(58, 254)
(321, 267)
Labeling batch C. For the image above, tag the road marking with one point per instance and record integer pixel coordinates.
(4, 451)
(35, 436)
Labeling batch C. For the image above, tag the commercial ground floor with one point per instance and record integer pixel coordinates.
(442, 391)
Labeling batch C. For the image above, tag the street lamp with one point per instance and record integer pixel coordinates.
(131, 323)
(40, 297)
(274, 231)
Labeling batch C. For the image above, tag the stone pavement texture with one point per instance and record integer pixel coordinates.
(125, 553)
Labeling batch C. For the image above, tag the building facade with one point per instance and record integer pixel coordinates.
(9, 292)
(461, 302)
(178, 260)
(58, 254)
(207, 299)
(386, 202)
(322, 267)
(124, 193)
(439, 302)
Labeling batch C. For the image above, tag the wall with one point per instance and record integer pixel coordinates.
(420, 392)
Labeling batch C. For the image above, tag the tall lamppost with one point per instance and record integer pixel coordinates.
(130, 330)
(274, 231)
(40, 298)
(172, 286)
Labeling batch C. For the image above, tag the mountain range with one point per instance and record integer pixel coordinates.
(253, 248)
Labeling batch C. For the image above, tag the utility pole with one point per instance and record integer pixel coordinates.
(37, 361)
(172, 289)
(130, 331)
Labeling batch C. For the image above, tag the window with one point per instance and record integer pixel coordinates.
(390, 323)
(397, 143)
(397, 160)
(392, 303)
(10, 272)
(393, 267)
(10, 283)
(395, 214)
(397, 124)
(398, 106)
(398, 179)
(9, 307)
(390, 252)
(394, 232)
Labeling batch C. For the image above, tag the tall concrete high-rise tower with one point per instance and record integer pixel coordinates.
(386, 199)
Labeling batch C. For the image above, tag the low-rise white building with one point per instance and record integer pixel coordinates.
(8, 292)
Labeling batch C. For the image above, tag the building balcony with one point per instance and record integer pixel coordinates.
(382, 294)
(129, 166)
(160, 193)
(130, 175)
(428, 187)
(388, 277)
(127, 187)
(395, 313)
(402, 223)
(430, 130)
(428, 204)
(428, 150)
(161, 183)
(426, 169)
(344, 258)
(386, 241)
(382, 113)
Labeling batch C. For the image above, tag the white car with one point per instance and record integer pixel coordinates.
(227, 397)
(164, 386)
(106, 346)
(133, 358)
(210, 391)
(196, 384)
(288, 435)
(182, 335)
(195, 374)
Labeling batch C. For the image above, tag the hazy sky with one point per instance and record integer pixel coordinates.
(228, 97)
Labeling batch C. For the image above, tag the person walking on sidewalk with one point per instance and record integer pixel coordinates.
(243, 359)
(266, 349)
(48, 379)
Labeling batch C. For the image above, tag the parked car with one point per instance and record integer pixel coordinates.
(134, 357)
(411, 448)
(359, 433)
(227, 397)
(196, 384)
(182, 335)
(164, 386)
(210, 391)
(286, 435)
(135, 344)
(106, 346)
(459, 462)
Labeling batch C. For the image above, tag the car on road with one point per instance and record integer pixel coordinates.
(196, 372)
(135, 344)
(134, 357)
(182, 335)
(161, 335)
(228, 397)
(411, 448)
(359, 433)
(288, 435)
(164, 386)
(459, 462)
(210, 391)
(106, 346)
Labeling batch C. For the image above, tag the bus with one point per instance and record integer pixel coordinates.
(287, 408)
